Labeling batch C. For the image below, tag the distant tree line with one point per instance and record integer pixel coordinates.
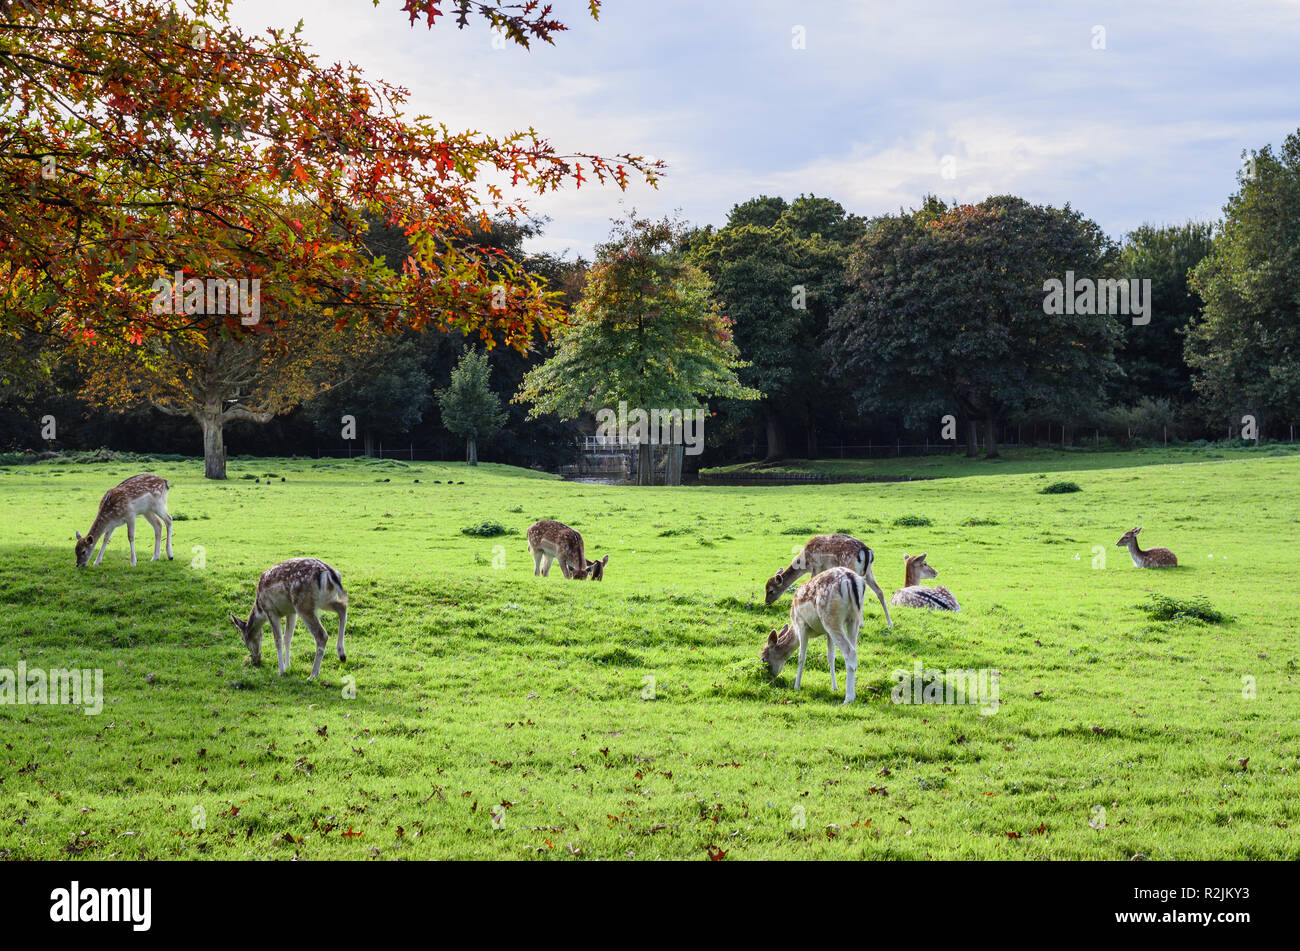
(799, 324)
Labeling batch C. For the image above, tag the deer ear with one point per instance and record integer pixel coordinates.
(1138, 529)
(605, 560)
(235, 621)
(78, 535)
(771, 638)
(921, 557)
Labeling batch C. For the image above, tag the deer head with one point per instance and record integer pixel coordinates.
(776, 586)
(777, 649)
(916, 569)
(596, 569)
(1129, 536)
(252, 635)
(85, 548)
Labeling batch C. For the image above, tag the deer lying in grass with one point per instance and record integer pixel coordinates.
(1151, 558)
(299, 586)
(829, 604)
(554, 541)
(823, 552)
(143, 494)
(916, 595)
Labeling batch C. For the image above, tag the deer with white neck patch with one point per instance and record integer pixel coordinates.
(299, 586)
(829, 604)
(916, 595)
(823, 552)
(1151, 557)
(142, 494)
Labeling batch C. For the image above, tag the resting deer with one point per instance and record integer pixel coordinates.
(139, 495)
(916, 595)
(823, 552)
(554, 541)
(830, 604)
(299, 586)
(1152, 557)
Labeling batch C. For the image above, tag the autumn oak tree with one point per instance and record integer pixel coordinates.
(140, 138)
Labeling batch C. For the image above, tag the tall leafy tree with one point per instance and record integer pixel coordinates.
(387, 393)
(646, 330)
(946, 315)
(469, 407)
(1244, 348)
(1151, 355)
(779, 270)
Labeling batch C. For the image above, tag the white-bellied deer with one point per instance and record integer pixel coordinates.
(299, 586)
(554, 541)
(1151, 558)
(830, 604)
(823, 552)
(143, 494)
(913, 594)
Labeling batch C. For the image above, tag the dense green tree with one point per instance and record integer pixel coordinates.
(1151, 355)
(1244, 348)
(779, 277)
(946, 315)
(646, 331)
(387, 394)
(469, 407)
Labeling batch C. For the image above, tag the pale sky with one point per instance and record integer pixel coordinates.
(1017, 93)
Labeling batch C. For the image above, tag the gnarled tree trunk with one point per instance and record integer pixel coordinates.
(775, 435)
(214, 442)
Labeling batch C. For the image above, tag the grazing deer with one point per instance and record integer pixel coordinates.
(915, 595)
(139, 495)
(1152, 557)
(298, 586)
(830, 604)
(823, 552)
(550, 541)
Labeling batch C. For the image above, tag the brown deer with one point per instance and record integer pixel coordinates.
(142, 494)
(1152, 557)
(554, 541)
(916, 595)
(830, 604)
(823, 552)
(299, 586)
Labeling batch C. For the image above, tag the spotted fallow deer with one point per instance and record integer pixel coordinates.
(141, 495)
(830, 604)
(916, 595)
(1151, 558)
(299, 586)
(823, 552)
(554, 541)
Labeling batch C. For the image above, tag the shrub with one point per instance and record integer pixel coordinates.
(487, 530)
(1162, 607)
(912, 521)
(977, 521)
(1059, 488)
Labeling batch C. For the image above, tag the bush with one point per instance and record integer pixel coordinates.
(912, 521)
(1162, 607)
(487, 530)
(1059, 488)
(1145, 419)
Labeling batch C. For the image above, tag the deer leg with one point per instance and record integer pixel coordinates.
(871, 582)
(168, 519)
(537, 561)
(803, 654)
(547, 558)
(289, 622)
(314, 625)
(130, 536)
(281, 654)
(846, 639)
(342, 611)
(157, 534)
(102, 545)
(830, 660)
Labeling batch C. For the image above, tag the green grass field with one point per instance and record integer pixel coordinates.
(630, 718)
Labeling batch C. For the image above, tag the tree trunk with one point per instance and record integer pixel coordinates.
(812, 440)
(990, 438)
(368, 440)
(214, 443)
(972, 439)
(645, 462)
(471, 451)
(673, 462)
(775, 435)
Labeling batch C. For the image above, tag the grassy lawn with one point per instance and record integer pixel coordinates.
(629, 718)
